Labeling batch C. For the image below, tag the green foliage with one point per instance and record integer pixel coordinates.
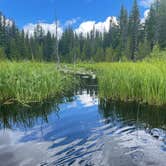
(134, 23)
(143, 82)
(2, 54)
(110, 55)
(151, 26)
(129, 38)
(123, 22)
(157, 54)
(144, 50)
(27, 82)
(162, 24)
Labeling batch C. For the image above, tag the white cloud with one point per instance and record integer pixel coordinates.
(88, 26)
(7, 21)
(84, 27)
(29, 28)
(72, 21)
(146, 13)
(146, 3)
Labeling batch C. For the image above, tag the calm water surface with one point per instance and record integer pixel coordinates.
(82, 130)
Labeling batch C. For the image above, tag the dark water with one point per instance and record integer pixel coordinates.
(81, 130)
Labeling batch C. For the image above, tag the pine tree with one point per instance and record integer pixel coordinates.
(134, 23)
(66, 44)
(162, 24)
(3, 32)
(150, 27)
(48, 47)
(123, 25)
(128, 40)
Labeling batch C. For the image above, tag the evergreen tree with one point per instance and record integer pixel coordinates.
(49, 47)
(66, 44)
(129, 39)
(150, 27)
(134, 23)
(123, 25)
(162, 24)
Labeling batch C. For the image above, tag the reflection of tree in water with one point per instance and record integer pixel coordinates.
(28, 116)
(23, 116)
(150, 116)
(88, 85)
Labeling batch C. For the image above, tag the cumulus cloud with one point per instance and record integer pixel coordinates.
(146, 13)
(71, 21)
(146, 3)
(88, 26)
(84, 27)
(8, 22)
(29, 28)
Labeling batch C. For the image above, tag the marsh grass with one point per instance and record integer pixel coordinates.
(27, 82)
(143, 82)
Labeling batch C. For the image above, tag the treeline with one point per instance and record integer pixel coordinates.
(130, 39)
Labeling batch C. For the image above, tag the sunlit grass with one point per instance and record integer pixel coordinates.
(27, 82)
(144, 82)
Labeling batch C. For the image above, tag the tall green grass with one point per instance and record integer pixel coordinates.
(27, 82)
(144, 82)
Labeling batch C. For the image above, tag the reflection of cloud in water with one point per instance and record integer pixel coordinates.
(81, 101)
(85, 134)
(9, 137)
(135, 148)
(14, 153)
(87, 100)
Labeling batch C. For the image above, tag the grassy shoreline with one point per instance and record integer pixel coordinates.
(28, 82)
(143, 82)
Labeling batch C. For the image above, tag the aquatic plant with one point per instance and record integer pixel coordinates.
(27, 82)
(144, 82)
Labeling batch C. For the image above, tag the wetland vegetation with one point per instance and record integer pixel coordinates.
(128, 59)
(28, 82)
(143, 82)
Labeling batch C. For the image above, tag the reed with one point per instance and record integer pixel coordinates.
(27, 82)
(144, 82)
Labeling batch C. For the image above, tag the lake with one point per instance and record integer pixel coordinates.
(82, 130)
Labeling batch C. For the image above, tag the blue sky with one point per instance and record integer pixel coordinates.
(33, 11)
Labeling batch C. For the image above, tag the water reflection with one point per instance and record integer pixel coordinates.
(87, 85)
(148, 116)
(13, 116)
(83, 130)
